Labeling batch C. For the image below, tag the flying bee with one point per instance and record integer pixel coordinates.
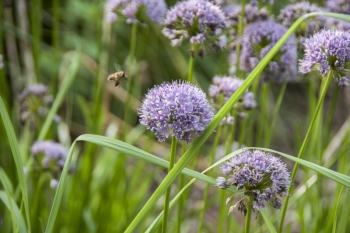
(118, 77)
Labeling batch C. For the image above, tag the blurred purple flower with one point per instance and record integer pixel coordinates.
(258, 174)
(177, 107)
(258, 39)
(155, 10)
(326, 50)
(53, 153)
(35, 101)
(291, 13)
(198, 20)
(339, 6)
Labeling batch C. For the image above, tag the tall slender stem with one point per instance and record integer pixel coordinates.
(182, 198)
(206, 191)
(130, 79)
(249, 215)
(275, 113)
(167, 194)
(191, 64)
(303, 146)
(240, 32)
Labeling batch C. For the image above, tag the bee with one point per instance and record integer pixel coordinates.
(118, 77)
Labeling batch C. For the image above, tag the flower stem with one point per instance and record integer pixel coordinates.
(249, 215)
(182, 198)
(275, 112)
(130, 80)
(240, 32)
(206, 191)
(167, 194)
(191, 64)
(303, 146)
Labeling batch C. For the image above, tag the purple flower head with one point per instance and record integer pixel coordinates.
(327, 50)
(177, 107)
(257, 41)
(35, 102)
(258, 174)
(339, 6)
(198, 20)
(134, 10)
(291, 13)
(51, 155)
(224, 87)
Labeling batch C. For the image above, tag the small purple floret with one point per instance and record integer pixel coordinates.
(155, 9)
(52, 151)
(179, 108)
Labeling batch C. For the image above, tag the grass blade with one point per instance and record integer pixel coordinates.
(17, 157)
(268, 222)
(67, 82)
(10, 202)
(9, 191)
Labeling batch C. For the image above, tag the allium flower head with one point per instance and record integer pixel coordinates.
(339, 6)
(258, 39)
(198, 20)
(50, 154)
(291, 13)
(179, 107)
(224, 87)
(259, 174)
(327, 50)
(134, 10)
(35, 102)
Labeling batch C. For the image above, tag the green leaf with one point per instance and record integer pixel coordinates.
(10, 202)
(11, 136)
(268, 222)
(127, 149)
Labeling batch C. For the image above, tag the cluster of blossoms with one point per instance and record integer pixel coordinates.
(50, 156)
(252, 14)
(224, 87)
(328, 50)
(198, 20)
(257, 41)
(133, 10)
(291, 13)
(340, 6)
(35, 102)
(179, 107)
(258, 174)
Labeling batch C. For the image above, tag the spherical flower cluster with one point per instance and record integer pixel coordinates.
(52, 155)
(198, 20)
(252, 14)
(340, 6)
(291, 13)
(132, 9)
(226, 86)
(35, 102)
(179, 107)
(327, 50)
(258, 39)
(258, 174)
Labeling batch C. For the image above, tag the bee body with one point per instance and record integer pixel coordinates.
(118, 77)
